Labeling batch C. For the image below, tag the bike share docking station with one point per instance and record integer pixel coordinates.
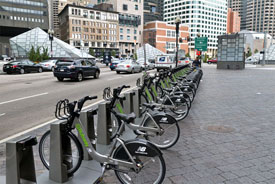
(20, 161)
(20, 167)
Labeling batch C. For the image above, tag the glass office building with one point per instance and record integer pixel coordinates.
(204, 17)
(19, 16)
(22, 44)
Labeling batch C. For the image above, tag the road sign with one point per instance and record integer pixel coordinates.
(201, 43)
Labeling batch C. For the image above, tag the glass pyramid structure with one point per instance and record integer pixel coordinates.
(22, 44)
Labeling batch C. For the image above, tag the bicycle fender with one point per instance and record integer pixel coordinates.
(175, 98)
(164, 118)
(138, 147)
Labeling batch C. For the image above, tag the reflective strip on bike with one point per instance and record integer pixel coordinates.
(148, 95)
(119, 108)
(162, 84)
(154, 90)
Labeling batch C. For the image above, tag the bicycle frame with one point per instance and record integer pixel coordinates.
(106, 159)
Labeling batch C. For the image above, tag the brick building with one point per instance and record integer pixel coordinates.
(233, 21)
(163, 36)
(89, 28)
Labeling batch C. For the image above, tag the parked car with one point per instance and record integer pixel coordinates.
(148, 65)
(129, 66)
(185, 61)
(5, 58)
(48, 64)
(75, 69)
(114, 64)
(252, 60)
(22, 66)
(211, 61)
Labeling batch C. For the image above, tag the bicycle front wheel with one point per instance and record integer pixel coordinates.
(171, 131)
(72, 152)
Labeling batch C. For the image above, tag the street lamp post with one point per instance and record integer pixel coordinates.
(104, 54)
(177, 21)
(51, 33)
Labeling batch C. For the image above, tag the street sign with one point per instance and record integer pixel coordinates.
(201, 43)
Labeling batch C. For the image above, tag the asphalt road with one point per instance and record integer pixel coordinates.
(29, 100)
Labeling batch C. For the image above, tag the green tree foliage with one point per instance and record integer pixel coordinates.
(205, 58)
(32, 54)
(256, 51)
(135, 56)
(92, 52)
(113, 53)
(187, 55)
(45, 54)
(249, 53)
(36, 56)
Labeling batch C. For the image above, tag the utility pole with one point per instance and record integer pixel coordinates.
(144, 47)
(264, 49)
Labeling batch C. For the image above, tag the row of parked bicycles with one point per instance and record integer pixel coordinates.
(165, 99)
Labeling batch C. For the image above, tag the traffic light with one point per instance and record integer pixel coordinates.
(198, 53)
(188, 38)
(180, 40)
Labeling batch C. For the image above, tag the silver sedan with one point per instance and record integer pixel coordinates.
(129, 66)
(48, 64)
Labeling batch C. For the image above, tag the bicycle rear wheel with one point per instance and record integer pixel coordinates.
(171, 132)
(73, 156)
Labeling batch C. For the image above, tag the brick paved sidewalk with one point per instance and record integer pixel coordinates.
(229, 135)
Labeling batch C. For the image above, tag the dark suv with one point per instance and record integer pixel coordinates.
(75, 69)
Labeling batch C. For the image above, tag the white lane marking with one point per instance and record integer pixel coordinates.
(2, 114)
(114, 78)
(23, 98)
(51, 121)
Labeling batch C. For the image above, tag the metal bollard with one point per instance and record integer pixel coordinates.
(20, 162)
(103, 123)
(59, 145)
(136, 102)
(87, 119)
(128, 103)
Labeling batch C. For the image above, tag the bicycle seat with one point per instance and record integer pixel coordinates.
(174, 83)
(150, 106)
(128, 118)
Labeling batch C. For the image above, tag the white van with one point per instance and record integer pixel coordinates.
(165, 62)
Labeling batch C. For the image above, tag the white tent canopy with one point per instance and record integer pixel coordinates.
(36, 37)
(151, 52)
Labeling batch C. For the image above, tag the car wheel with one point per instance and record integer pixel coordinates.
(52, 69)
(96, 76)
(9, 73)
(140, 70)
(79, 77)
(117, 72)
(60, 78)
(40, 70)
(132, 71)
(22, 71)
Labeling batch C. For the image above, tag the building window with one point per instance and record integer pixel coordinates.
(128, 37)
(121, 37)
(135, 31)
(128, 31)
(125, 7)
(136, 7)
(153, 9)
(135, 37)
(121, 30)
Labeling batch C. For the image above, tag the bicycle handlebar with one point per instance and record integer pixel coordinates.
(81, 102)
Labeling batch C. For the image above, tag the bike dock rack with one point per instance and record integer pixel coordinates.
(20, 161)
(89, 171)
(20, 165)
